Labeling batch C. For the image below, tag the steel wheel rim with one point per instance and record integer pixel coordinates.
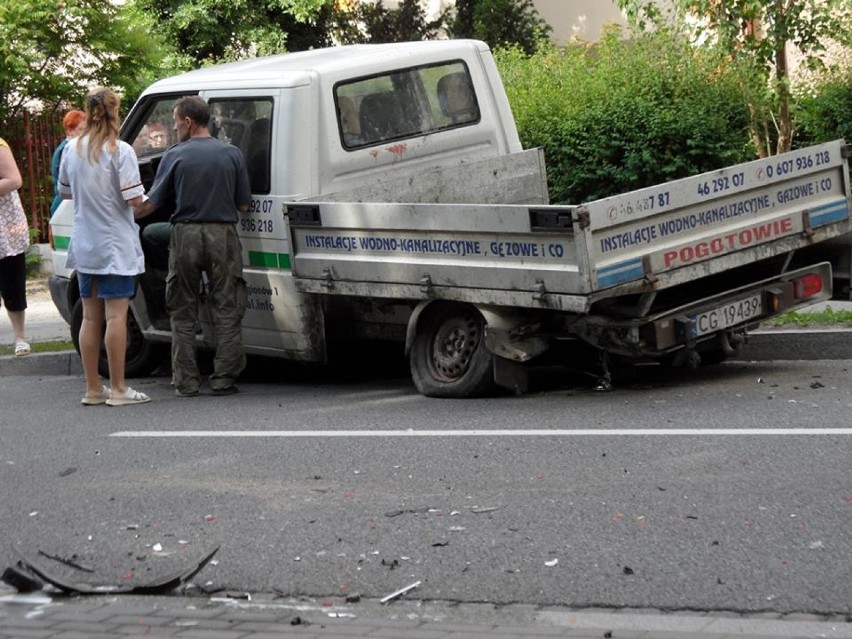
(454, 345)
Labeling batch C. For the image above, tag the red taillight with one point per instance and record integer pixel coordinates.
(807, 286)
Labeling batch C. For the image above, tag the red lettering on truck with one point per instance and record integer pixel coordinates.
(727, 243)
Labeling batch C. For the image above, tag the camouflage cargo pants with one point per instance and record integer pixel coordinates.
(215, 250)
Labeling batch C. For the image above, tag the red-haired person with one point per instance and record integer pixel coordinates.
(74, 124)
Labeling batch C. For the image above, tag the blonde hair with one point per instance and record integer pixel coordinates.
(101, 121)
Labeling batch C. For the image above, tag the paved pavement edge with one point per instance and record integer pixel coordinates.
(238, 615)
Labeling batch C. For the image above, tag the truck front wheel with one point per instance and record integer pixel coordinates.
(142, 357)
(448, 356)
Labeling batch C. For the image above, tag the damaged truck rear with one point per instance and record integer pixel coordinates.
(677, 272)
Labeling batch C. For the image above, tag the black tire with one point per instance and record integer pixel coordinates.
(142, 357)
(448, 356)
(713, 357)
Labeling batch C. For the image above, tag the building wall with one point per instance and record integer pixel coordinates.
(578, 18)
(569, 18)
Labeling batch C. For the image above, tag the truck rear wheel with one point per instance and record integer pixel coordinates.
(448, 355)
(142, 357)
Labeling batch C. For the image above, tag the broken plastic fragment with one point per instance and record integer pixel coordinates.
(551, 563)
(160, 585)
(400, 592)
(20, 579)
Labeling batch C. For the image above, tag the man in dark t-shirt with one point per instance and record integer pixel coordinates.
(207, 181)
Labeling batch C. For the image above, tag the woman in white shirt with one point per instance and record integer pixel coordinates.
(101, 174)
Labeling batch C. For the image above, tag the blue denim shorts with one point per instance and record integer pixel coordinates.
(108, 286)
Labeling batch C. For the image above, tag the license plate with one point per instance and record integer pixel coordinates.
(725, 316)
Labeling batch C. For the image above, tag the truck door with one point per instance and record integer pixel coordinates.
(266, 125)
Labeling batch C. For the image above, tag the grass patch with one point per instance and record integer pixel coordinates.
(798, 318)
(41, 347)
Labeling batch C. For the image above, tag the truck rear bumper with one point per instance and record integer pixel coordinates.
(737, 309)
(711, 317)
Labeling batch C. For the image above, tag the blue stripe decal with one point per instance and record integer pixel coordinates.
(828, 213)
(621, 272)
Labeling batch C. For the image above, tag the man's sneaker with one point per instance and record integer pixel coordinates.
(227, 390)
(186, 393)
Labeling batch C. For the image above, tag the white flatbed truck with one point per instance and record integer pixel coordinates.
(393, 200)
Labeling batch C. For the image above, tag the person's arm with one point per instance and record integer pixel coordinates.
(142, 206)
(64, 183)
(10, 176)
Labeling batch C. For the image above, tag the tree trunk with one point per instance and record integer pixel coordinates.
(782, 84)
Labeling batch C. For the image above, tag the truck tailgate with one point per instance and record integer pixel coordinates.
(563, 257)
(681, 230)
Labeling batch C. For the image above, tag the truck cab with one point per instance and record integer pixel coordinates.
(384, 122)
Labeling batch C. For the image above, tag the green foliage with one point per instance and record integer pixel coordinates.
(827, 316)
(373, 22)
(56, 50)
(41, 347)
(824, 111)
(757, 33)
(500, 23)
(624, 114)
(210, 31)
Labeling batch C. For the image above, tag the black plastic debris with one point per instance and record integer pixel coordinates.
(68, 561)
(391, 564)
(20, 579)
(410, 511)
(156, 586)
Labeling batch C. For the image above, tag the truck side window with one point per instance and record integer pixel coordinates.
(246, 123)
(405, 103)
(157, 131)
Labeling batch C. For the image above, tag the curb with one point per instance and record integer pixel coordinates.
(765, 345)
(762, 346)
(59, 363)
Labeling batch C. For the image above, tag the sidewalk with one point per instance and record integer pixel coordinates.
(265, 617)
(43, 322)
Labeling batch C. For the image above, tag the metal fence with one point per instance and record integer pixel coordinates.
(33, 140)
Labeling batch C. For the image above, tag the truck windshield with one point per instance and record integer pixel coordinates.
(405, 103)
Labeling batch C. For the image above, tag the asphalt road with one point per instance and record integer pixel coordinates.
(725, 488)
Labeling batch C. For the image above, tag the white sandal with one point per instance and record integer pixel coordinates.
(128, 397)
(96, 400)
(21, 348)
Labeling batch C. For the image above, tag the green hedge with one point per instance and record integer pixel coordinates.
(625, 114)
(823, 112)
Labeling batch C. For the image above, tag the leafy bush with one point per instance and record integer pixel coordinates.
(626, 114)
(824, 110)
